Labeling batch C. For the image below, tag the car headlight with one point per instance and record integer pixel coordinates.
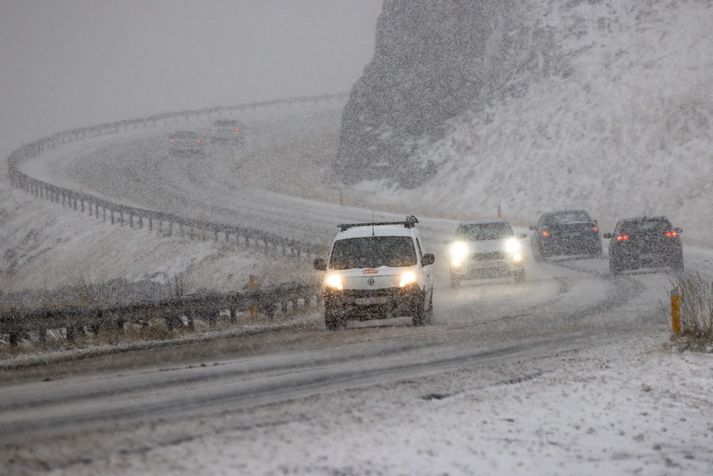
(458, 252)
(407, 278)
(333, 281)
(513, 247)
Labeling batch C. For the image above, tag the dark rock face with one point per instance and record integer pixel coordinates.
(433, 61)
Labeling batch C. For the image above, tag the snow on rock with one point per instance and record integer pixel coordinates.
(620, 125)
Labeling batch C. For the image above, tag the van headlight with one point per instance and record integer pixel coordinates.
(334, 281)
(407, 278)
(458, 252)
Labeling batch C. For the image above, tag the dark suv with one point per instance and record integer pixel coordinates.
(569, 232)
(645, 242)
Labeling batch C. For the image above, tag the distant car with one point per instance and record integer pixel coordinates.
(645, 242)
(226, 131)
(486, 249)
(186, 143)
(566, 233)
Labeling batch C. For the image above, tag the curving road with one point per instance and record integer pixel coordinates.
(91, 411)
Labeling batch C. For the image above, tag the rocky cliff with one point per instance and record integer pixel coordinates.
(434, 59)
(599, 104)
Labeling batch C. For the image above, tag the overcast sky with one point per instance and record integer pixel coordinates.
(68, 63)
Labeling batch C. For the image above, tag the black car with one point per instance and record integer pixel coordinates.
(569, 232)
(645, 242)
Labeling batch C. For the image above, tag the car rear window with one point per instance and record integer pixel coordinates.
(652, 225)
(484, 231)
(372, 252)
(564, 218)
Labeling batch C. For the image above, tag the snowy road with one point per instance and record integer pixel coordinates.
(87, 416)
(477, 327)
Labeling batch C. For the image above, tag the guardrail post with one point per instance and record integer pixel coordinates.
(233, 314)
(191, 319)
(252, 286)
(676, 311)
(14, 339)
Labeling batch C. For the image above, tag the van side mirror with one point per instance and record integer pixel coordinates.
(608, 236)
(428, 259)
(320, 264)
(532, 227)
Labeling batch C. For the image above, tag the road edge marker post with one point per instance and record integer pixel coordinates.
(676, 311)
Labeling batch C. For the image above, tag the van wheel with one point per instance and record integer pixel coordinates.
(420, 314)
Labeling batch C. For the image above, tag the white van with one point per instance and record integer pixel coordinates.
(377, 271)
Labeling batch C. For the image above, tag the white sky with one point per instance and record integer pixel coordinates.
(67, 63)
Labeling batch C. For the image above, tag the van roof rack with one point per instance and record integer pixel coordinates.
(409, 222)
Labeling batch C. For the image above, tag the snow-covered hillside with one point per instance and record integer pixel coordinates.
(623, 126)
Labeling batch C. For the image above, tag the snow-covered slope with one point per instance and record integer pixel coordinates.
(622, 128)
(45, 246)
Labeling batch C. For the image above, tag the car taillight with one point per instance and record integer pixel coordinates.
(671, 234)
(623, 238)
(545, 233)
(199, 141)
(237, 130)
(595, 229)
(173, 141)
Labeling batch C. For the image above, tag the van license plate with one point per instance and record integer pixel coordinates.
(372, 301)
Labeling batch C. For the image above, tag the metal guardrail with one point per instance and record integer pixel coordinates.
(167, 223)
(20, 322)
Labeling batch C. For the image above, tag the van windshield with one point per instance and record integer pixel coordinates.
(372, 252)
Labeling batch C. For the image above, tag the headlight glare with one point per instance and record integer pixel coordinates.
(407, 278)
(334, 281)
(458, 253)
(513, 246)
